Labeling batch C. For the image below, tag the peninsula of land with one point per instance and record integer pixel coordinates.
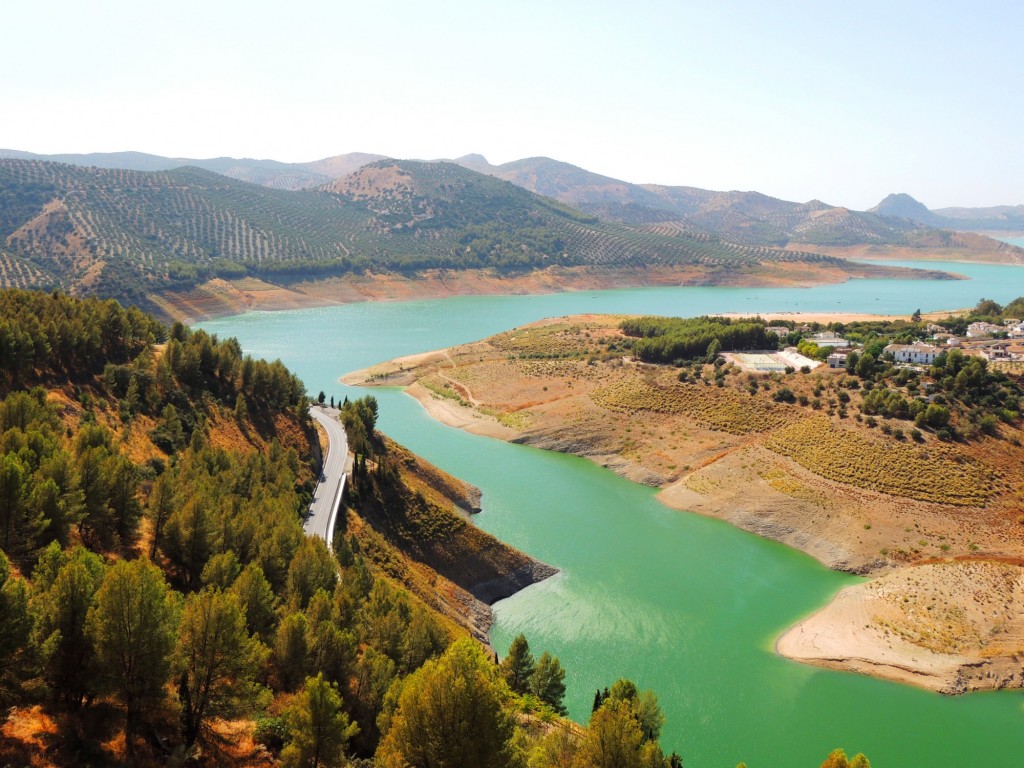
(805, 456)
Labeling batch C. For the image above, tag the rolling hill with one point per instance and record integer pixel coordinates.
(267, 173)
(134, 235)
(750, 218)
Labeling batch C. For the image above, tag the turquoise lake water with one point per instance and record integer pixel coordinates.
(686, 605)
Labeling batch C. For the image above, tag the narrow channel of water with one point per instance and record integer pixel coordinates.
(683, 604)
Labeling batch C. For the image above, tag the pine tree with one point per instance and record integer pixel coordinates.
(216, 662)
(318, 729)
(548, 682)
(518, 666)
(65, 586)
(256, 595)
(15, 626)
(21, 526)
(132, 628)
(450, 714)
(291, 651)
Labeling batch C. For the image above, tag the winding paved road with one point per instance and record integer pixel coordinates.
(323, 509)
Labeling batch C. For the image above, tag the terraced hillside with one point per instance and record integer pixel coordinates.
(267, 173)
(131, 235)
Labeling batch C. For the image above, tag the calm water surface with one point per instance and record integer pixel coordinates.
(686, 605)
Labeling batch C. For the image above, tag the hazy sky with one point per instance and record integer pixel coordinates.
(845, 102)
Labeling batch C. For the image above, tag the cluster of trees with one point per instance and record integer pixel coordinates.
(359, 417)
(50, 485)
(967, 397)
(461, 710)
(673, 339)
(544, 679)
(219, 607)
(981, 397)
(986, 310)
(242, 606)
(47, 335)
(194, 369)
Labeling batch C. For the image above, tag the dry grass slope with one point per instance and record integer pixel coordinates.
(845, 456)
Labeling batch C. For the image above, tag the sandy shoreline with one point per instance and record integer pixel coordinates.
(950, 627)
(221, 298)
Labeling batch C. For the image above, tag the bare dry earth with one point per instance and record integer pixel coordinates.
(950, 627)
(968, 247)
(218, 298)
(852, 497)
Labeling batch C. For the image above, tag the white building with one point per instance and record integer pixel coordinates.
(917, 354)
(828, 339)
(838, 359)
(982, 330)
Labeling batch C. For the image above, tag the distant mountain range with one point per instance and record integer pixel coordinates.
(134, 234)
(266, 173)
(749, 218)
(999, 218)
(88, 224)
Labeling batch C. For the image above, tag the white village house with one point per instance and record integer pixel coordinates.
(917, 354)
(981, 330)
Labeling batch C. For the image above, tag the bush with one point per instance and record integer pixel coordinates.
(784, 395)
(270, 732)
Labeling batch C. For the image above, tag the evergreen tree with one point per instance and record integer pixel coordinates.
(291, 651)
(241, 409)
(518, 666)
(838, 759)
(65, 586)
(311, 568)
(374, 675)
(221, 570)
(450, 714)
(714, 348)
(332, 651)
(15, 626)
(643, 704)
(256, 595)
(548, 682)
(216, 661)
(318, 729)
(613, 738)
(132, 628)
(21, 526)
(188, 541)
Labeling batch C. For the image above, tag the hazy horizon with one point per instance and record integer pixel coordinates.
(843, 104)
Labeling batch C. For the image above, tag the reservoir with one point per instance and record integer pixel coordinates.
(682, 604)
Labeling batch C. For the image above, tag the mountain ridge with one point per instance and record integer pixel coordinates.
(136, 236)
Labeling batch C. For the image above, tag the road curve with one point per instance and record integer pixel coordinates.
(320, 518)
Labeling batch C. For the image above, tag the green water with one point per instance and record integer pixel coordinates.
(686, 605)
